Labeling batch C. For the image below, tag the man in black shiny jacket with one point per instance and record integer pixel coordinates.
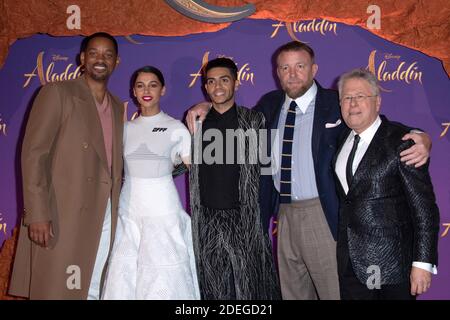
(389, 220)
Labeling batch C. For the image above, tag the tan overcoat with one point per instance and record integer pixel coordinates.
(66, 180)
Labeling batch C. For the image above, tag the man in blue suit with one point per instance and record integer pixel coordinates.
(301, 188)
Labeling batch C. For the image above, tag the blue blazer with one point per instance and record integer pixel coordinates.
(323, 145)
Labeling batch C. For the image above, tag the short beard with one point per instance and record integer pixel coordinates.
(297, 93)
(294, 94)
(99, 78)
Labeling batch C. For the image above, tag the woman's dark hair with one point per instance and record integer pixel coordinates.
(147, 69)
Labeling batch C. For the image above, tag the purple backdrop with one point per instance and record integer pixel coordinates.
(416, 90)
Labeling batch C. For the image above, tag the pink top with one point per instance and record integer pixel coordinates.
(105, 114)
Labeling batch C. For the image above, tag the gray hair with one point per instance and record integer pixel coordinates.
(359, 74)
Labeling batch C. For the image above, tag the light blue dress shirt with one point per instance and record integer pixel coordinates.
(303, 176)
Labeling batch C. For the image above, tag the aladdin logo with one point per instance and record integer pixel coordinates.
(47, 74)
(321, 26)
(244, 72)
(446, 125)
(2, 127)
(2, 225)
(447, 227)
(125, 114)
(388, 56)
(404, 71)
(58, 57)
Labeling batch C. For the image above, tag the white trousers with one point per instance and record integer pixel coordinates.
(102, 255)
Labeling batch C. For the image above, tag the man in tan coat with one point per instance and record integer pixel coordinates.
(72, 173)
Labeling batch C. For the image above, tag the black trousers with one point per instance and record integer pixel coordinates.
(352, 289)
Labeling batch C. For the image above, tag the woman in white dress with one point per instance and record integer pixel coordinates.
(152, 257)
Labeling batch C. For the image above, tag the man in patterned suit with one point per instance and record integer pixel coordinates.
(389, 221)
(233, 253)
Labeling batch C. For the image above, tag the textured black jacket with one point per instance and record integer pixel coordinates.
(389, 217)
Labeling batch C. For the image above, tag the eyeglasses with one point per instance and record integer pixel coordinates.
(358, 98)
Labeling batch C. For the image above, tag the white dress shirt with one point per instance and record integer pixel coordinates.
(341, 164)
